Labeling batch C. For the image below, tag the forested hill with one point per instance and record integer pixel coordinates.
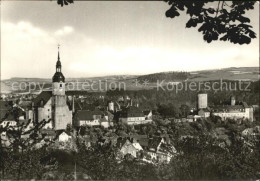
(167, 76)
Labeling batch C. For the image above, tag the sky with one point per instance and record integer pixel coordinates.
(110, 38)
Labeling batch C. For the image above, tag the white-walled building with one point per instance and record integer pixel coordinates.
(92, 118)
(231, 111)
(64, 136)
(133, 115)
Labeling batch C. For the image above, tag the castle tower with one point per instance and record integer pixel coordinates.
(232, 101)
(111, 106)
(62, 116)
(202, 101)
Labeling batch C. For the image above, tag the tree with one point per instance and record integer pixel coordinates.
(18, 141)
(203, 158)
(64, 2)
(225, 21)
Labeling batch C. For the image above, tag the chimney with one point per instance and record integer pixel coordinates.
(73, 106)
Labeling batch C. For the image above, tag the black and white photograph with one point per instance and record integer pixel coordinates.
(129, 90)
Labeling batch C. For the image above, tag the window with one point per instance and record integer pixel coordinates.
(60, 85)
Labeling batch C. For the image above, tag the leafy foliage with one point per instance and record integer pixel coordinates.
(64, 2)
(17, 147)
(225, 22)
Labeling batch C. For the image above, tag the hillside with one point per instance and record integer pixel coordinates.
(232, 73)
(134, 82)
(167, 76)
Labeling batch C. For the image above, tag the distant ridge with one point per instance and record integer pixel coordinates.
(231, 73)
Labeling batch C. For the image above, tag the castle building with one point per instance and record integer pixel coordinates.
(231, 111)
(242, 111)
(51, 106)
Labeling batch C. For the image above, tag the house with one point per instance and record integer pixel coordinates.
(136, 144)
(126, 147)
(251, 132)
(27, 108)
(5, 139)
(64, 136)
(91, 118)
(10, 115)
(48, 134)
(133, 115)
(107, 120)
(204, 112)
(157, 150)
(192, 118)
(148, 114)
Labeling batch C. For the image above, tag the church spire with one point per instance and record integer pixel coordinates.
(58, 64)
(58, 51)
(58, 76)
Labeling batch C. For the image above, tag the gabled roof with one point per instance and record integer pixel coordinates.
(59, 132)
(205, 109)
(122, 142)
(87, 115)
(243, 105)
(25, 104)
(48, 132)
(146, 112)
(42, 98)
(141, 139)
(154, 143)
(132, 111)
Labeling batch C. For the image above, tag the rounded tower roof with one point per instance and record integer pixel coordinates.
(58, 76)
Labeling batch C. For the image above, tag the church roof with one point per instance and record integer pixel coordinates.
(45, 96)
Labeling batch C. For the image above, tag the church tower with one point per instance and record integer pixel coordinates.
(58, 80)
(62, 116)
